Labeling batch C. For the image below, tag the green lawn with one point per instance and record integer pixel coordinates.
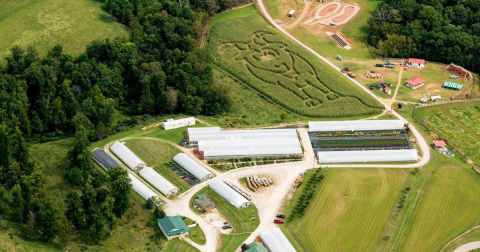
(240, 219)
(45, 23)
(196, 233)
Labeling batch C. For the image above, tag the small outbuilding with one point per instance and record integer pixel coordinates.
(291, 13)
(204, 203)
(173, 124)
(438, 144)
(387, 90)
(416, 62)
(173, 226)
(415, 82)
(193, 167)
(103, 159)
(452, 85)
(256, 247)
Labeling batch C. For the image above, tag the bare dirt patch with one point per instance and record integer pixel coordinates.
(348, 12)
(329, 8)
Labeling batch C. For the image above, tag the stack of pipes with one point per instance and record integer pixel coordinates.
(239, 190)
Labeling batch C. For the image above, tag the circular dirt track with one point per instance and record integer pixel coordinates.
(347, 14)
(336, 13)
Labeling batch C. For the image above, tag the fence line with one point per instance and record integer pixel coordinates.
(447, 102)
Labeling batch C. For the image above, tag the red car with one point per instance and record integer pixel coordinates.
(225, 223)
(278, 221)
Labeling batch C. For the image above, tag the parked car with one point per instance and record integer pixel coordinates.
(227, 227)
(371, 87)
(390, 66)
(279, 221)
(332, 24)
(281, 216)
(379, 65)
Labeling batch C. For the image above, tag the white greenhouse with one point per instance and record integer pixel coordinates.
(127, 156)
(217, 144)
(276, 241)
(158, 181)
(173, 124)
(193, 167)
(140, 188)
(328, 126)
(229, 194)
(326, 157)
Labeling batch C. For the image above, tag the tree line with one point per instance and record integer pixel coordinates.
(437, 30)
(158, 69)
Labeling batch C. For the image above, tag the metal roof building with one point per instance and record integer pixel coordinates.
(173, 124)
(172, 226)
(329, 126)
(158, 181)
(229, 194)
(217, 144)
(194, 168)
(103, 159)
(327, 157)
(127, 156)
(140, 188)
(276, 241)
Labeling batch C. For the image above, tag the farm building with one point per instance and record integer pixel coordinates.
(276, 241)
(460, 71)
(158, 181)
(291, 13)
(217, 144)
(103, 159)
(387, 90)
(140, 188)
(452, 85)
(173, 124)
(173, 226)
(326, 157)
(332, 126)
(193, 167)
(416, 62)
(256, 247)
(127, 156)
(415, 82)
(204, 203)
(438, 144)
(229, 194)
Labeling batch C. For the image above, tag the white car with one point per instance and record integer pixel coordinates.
(424, 100)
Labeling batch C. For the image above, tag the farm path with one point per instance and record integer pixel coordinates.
(302, 15)
(399, 82)
(468, 247)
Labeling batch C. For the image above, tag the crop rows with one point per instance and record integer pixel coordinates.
(468, 117)
(281, 70)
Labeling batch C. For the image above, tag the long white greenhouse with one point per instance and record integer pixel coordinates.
(217, 144)
(276, 241)
(127, 156)
(229, 194)
(103, 159)
(326, 157)
(139, 187)
(194, 168)
(158, 181)
(328, 126)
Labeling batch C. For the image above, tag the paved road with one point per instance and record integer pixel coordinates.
(468, 247)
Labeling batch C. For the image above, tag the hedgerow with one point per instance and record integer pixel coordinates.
(283, 71)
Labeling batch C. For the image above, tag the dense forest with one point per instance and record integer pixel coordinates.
(445, 31)
(159, 69)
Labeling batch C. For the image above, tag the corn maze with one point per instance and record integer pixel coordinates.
(282, 71)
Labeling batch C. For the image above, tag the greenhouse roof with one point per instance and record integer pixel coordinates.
(229, 194)
(452, 85)
(158, 181)
(332, 126)
(126, 155)
(193, 167)
(103, 159)
(367, 156)
(275, 240)
(140, 188)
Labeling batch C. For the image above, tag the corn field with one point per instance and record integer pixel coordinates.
(263, 58)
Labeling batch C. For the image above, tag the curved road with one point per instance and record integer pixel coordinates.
(468, 247)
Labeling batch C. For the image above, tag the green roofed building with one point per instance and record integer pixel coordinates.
(256, 247)
(452, 85)
(173, 226)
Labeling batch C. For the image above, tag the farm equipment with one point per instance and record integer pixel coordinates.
(435, 97)
(349, 72)
(453, 76)
(372, 75)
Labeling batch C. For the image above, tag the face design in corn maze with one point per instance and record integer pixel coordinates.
(274, 63)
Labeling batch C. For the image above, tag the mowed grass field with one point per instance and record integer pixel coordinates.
(45, 23)
(349, 211)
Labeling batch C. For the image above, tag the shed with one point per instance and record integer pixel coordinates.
(415, 82)
(205, 203)
(127, 156)
(452, 85)
(229, 194)
(438, 144)
(332, 126)
(275, 240)
(140, 188)
(416, 62)
(387, 90)
(103, 159)
(158, 181)
(367, 156)
(173, 226)
(256, 247)
(193, 167)
(173, 124)
(291, 13)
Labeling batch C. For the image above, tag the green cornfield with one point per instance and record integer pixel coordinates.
(258, 55)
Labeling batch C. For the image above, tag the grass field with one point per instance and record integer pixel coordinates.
(238, 218)
(349, 211)
(45, 23)
(281, 70)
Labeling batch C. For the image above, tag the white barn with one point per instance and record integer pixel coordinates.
(140, 188)
(173, 124)
(127, 156)
(276, 241)
(193, 167)
(229, 194)
(158, 181)
(331, 126)
(327, 157)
